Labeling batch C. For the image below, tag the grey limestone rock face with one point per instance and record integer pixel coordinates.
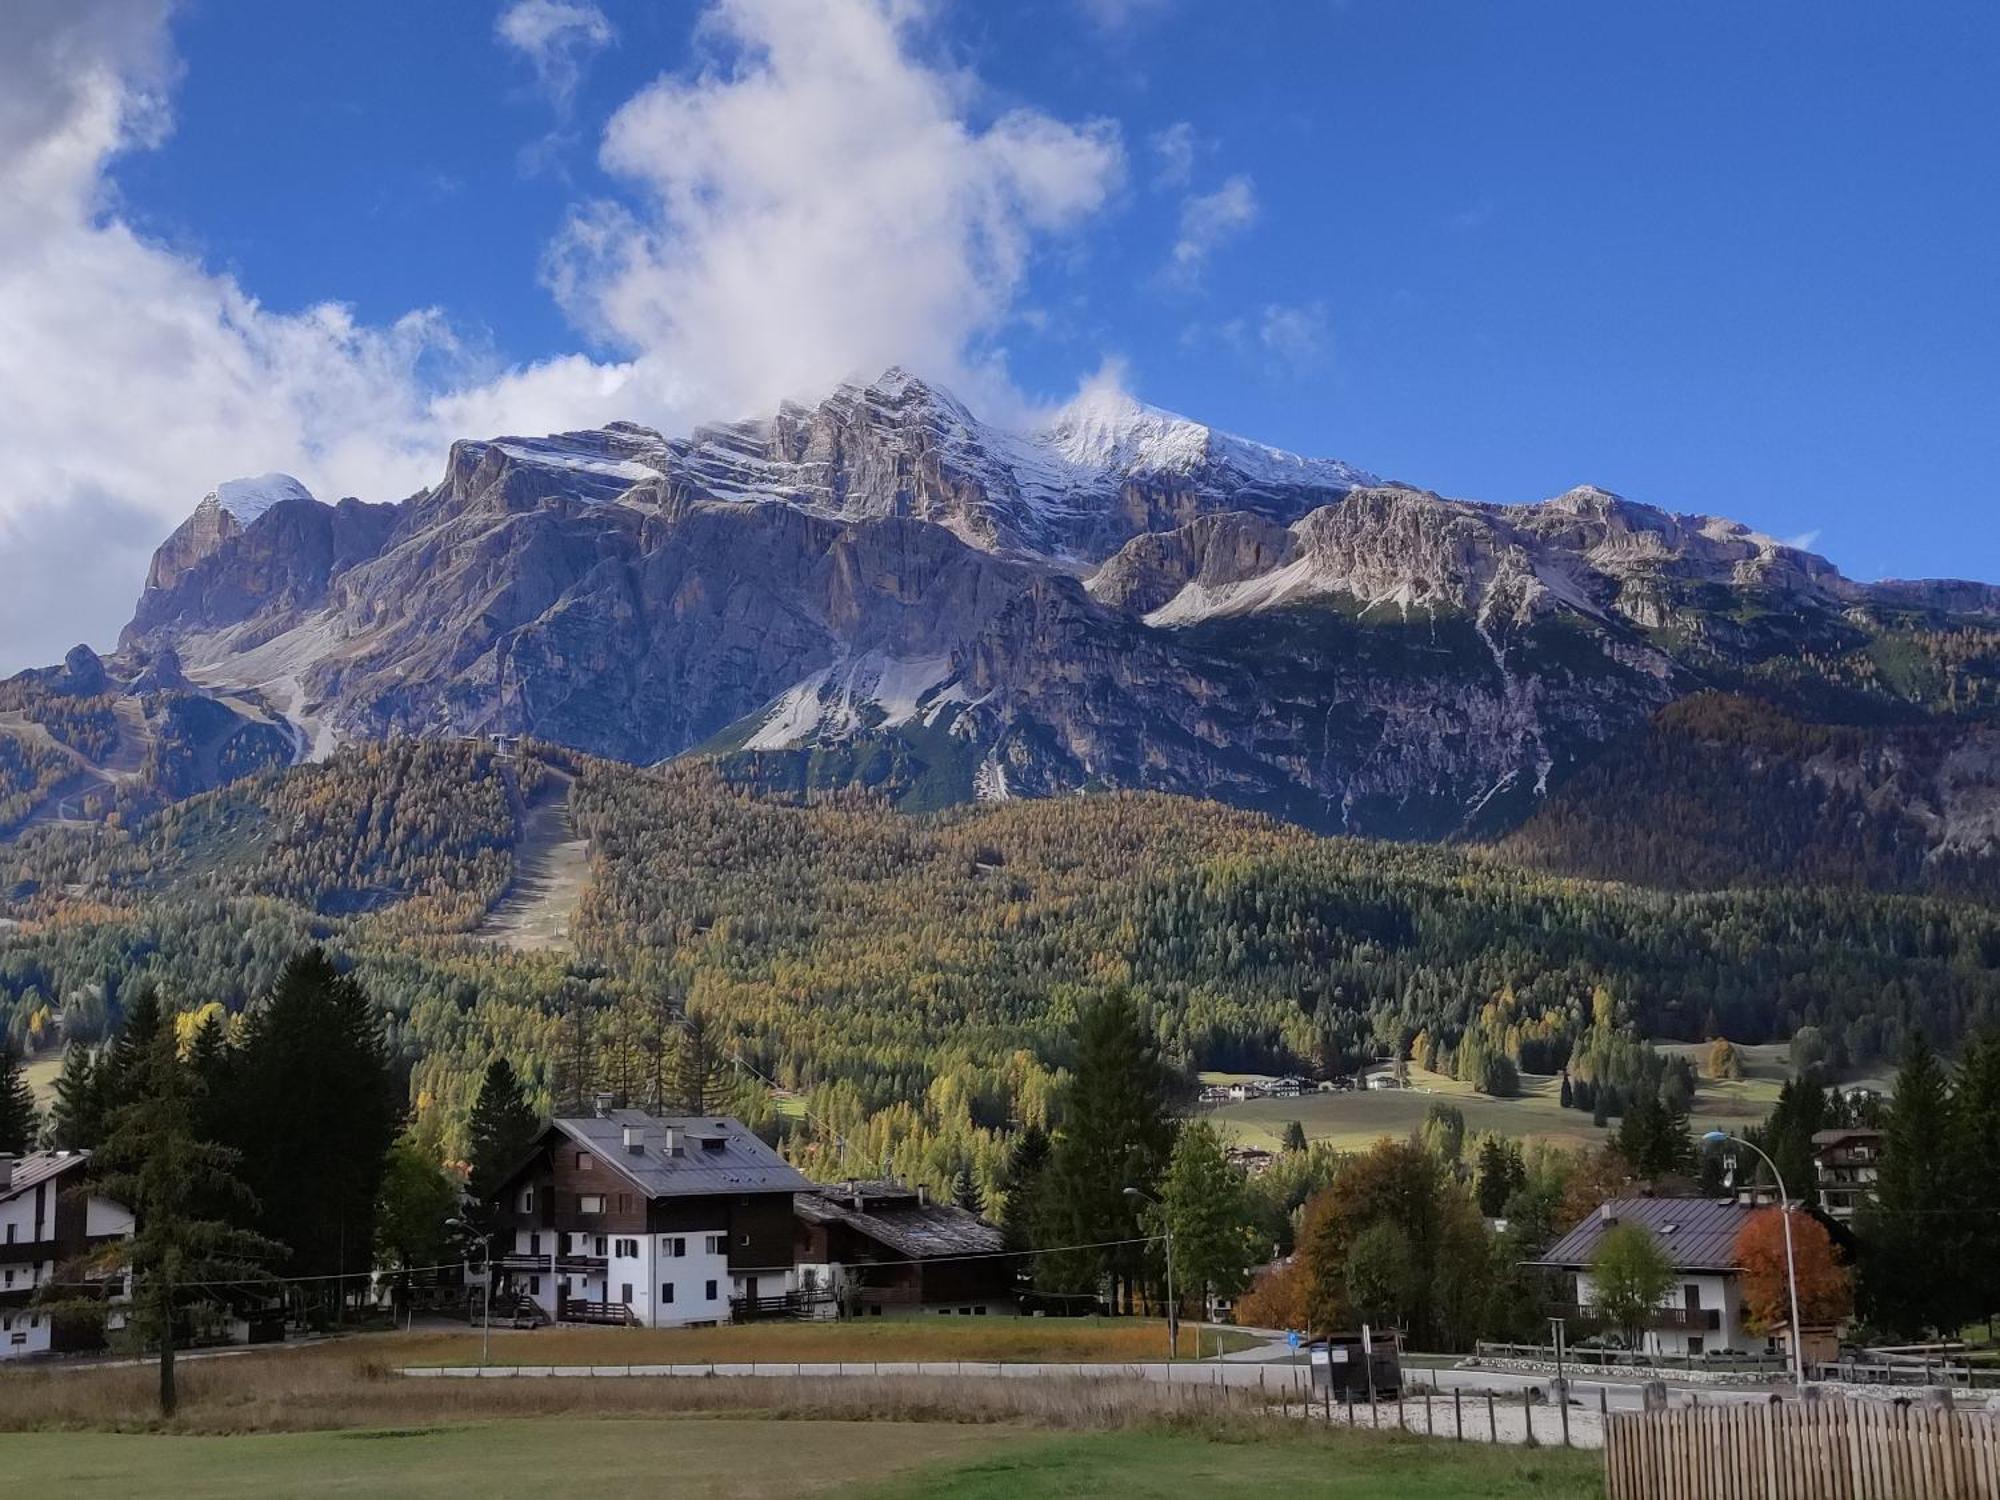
(1115, 597)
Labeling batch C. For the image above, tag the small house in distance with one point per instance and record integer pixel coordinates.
(43, 1226)
(883, 1249)
(627, 1218)
(1703, 1313)
(1845, 1166)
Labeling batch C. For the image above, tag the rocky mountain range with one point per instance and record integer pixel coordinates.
(884, 589)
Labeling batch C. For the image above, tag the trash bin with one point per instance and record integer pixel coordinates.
(1340, 1364)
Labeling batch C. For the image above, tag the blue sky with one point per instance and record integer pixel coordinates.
(1721, 257)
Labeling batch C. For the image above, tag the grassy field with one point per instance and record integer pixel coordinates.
(712, 1458)
(1360, 1117)
(41, 1075)
(1044, 1340)
(709, 1458)
(1172, 1466)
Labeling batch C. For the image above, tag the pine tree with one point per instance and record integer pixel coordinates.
(76, 1118)
(20, 1121)
(1026, 1165)
(145, 1018)
(314, 1111)
(1914, 1259)
(1295, 1136)
(502, 1129)
(1976, 1107)
(965, 1193)
(1568, 1094)
(701, 1073)
(186, 1202)
(575, 1060)
(1117, 1133)
(210, 1062)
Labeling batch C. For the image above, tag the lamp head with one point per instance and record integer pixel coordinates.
(1134, 1193)
(1715, 1137)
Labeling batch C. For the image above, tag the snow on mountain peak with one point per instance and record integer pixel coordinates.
(1106, 428)
(247, 499)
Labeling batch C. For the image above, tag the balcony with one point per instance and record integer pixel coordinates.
(520, 1260)
(1584, 1321)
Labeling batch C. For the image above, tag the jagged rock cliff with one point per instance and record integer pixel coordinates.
(883, 588)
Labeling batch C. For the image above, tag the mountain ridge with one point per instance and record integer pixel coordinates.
(881, 588)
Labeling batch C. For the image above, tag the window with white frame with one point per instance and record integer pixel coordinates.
(718, 1244)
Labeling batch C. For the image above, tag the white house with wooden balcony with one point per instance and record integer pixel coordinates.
(1703, 1312)
(663, 1223)
(45, 1225)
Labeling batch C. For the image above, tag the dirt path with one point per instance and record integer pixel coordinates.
(551, 868)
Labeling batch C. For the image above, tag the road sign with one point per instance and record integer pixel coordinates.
(1293, 1339)
(1367, 1342)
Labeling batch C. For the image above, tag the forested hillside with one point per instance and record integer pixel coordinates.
(916, 979)
(1723, 790)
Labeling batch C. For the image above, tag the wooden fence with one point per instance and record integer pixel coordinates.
(1817, 1450)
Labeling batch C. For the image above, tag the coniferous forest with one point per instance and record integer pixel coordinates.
(910, 985)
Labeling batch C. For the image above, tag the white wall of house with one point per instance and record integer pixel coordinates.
(102, 1217)
(23, 1331)
(690, 1281)
(17, 1218)
(1721, 1294)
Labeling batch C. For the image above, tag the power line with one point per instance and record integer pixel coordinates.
(929, 1260)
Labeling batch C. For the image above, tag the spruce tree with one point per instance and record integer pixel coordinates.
(145, 1018)
(210, 1062)
(1976, 1108)
(1914, 1260)
(1026, 1165)
(76, 1118)
(965, 1193)
(20, 1121)
(502, 1129)
(701, 1072)
(314, 1112)
(575, 1062)
(1117, 1134)
(187, 1204)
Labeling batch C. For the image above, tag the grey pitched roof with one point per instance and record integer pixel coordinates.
(712, 1154)
(40, 1166)
(1697, 1234)
(918, 1231)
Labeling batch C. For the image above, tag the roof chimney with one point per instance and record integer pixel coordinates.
(635, 1141)
(923, 1195)
(1604, 1212)
(6, 1172)
(670, 1140)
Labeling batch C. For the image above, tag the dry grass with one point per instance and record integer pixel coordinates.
(1007, 1339)
(335, 1387)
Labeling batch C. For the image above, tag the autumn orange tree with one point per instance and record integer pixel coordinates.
(1826, 1290)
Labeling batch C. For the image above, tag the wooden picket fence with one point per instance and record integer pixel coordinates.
(1829, 1449)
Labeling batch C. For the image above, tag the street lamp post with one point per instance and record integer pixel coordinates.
(1173, 1307)
(473, 1232)
(1716, 1138)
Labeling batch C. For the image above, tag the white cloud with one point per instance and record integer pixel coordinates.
(1173, 155)
(1117, 15)
(1207, 221)
(816, 202)
(1294, 335)
(558, 38)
